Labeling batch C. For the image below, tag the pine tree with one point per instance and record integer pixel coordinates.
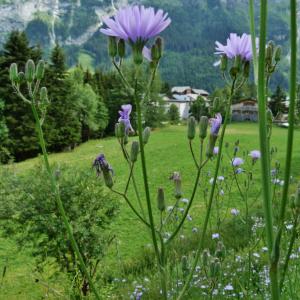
(173, 113)
(62, 126)
(198, 108)
(22, 141)
(4, 153)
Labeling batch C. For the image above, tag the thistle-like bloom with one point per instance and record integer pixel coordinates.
(255, 154)
(215, 124)
(101, 165)
(136, 23)
(237, 161)
(125, 117)
(236, 46)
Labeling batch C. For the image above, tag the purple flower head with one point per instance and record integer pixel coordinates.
(237, 161)
(125, 116)
(101, 165)
(255, 154)
(239, 171)
(216, 124)
(236, 46)
(136, 23)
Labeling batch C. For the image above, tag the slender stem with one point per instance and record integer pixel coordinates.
(59, 202)
(253, 38)
(193, 154)
(289, 151)
(264, 148)
(201, 241)
(289, 252)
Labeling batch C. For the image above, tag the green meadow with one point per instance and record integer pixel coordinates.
(166, 152)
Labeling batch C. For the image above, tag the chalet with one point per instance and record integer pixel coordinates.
(182, 97)
(245, 110)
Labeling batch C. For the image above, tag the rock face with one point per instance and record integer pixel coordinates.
(61, 18)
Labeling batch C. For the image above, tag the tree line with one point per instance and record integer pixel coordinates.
(83, 105)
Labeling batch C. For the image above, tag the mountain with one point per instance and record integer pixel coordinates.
(189, 57)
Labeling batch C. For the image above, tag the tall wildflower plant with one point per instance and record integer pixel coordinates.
(134, 26)
(274, 237)
(37, 99)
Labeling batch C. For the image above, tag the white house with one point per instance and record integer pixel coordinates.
(182, 97)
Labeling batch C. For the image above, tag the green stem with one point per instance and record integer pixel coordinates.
(211, 196)
(253, 38)
(289, 151)
(263, 137)
(289, 252)
(59, 202)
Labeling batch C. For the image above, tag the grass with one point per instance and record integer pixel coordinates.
(166, 152)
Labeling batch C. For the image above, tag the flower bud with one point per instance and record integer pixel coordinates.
(246, 72)
(121, 48)
(21, 77)
(191, 128)
(203, 124)
(177, 182)
(292, 202)
(185, 266)
(277, 55)
(234, 72)
(210, 145)
(220, 251)
(224, 63)
(135, 148)
(205, 257)
(112, 46)
(40, 70)
(154, 53)
(160, 46)
(30, 70)
(108, 179)
(269, 53)
(125, 139)
(120, 130)
(137, 52)
(215, 268)
(161, 199)
(146, 135)
(44, 94)
(13, 72)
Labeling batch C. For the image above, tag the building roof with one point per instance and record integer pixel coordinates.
(200, 92)
(180, 89)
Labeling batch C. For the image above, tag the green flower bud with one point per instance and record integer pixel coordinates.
(237, 63)
(13, 72)
(21, 77)
(215, 268)
(203, 124)
(30, 70)
(125, 139)
(137, 52)
(292, 202)
(205, 258)
(121, 48)
(220, 251)
(176, 177)
(108, 179)
(191, 128)
(210, 145)
(269, 53)
(135, 148)
(146, 135)
(40, 70)
(234, 72)
(160, 46)
(44, 94)
(277, 55)
(120, 130)
(224, 63)
(184, 266)
(161, 199)
(112, 46)
(246, 72)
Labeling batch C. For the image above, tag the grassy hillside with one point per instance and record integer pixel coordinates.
(166, 152)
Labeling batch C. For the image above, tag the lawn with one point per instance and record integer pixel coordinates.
(166, 152)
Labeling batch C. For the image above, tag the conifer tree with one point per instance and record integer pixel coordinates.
(18, 116)
(62, 126)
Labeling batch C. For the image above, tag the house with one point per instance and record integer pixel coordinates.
(245, 110)
(182, 97)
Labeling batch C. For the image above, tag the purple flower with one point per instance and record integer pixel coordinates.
(255, 155)
(136, 23)
(237, 161)
(236, 46)
(102, 166)
(216, 150)
(215, 124)
(125, 117)
(234, 212)
(239, 171)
